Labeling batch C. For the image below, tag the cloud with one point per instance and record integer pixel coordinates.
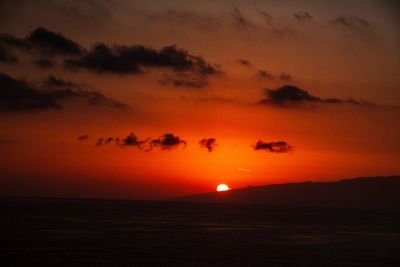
(274, 147)
(302, 16)
(283, 32)
(62, 89)
(193, 82)
(265, 74)
(83, 137)
(132, 141)
(244, 62)
(291, 96)
(122, 59)
(54, 82)
(44, 63)
(106, 140)
(167, 141)
(209, 143)
(52, 43)
(6, 56)
(13, 41)
(266, 16)
(285, 77)
(91, 97)
(18, 95)
(354, 24)
(116, 59)
(99, 142)
(239, 20)
(43, 41)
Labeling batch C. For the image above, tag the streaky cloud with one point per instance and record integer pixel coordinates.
(293, 96)
(123, 59)
(18, 95)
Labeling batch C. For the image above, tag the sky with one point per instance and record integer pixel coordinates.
(154, 99)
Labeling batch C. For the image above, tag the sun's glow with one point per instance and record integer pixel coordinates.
(222, 187)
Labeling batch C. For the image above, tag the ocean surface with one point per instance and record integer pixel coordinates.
(77, 232)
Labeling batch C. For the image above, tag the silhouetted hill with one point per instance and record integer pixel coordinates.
(370, 193)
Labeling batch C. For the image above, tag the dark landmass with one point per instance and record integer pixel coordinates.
(366, 193)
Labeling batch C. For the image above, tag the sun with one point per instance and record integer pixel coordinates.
(222, 187)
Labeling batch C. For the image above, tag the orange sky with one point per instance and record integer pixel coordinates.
(323, 49)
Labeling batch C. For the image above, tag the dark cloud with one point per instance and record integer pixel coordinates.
(302, 16)
(93, 98)
(6, 56)
(289, 95)
(63, 90)
(354, 23)
(44, 41)
(122, 59)
(132, 141)
(274, 147)
(117, 59)
(194, 82)
(103, 59)
(52, 43)
(18, 95)
(44, 63)
(265, 74)
(13, 41)
(167, 141)
(244, 62)
(285, 77)
(209, 143)
(53, 82)
(240, 20)
(106, 141)
(83, 137)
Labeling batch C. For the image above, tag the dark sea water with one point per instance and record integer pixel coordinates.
(71, 232)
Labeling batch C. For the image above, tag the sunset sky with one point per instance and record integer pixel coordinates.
(153, 99)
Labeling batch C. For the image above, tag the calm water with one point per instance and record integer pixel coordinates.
(60, 232)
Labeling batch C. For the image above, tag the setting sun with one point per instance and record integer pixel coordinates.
(222, 187)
